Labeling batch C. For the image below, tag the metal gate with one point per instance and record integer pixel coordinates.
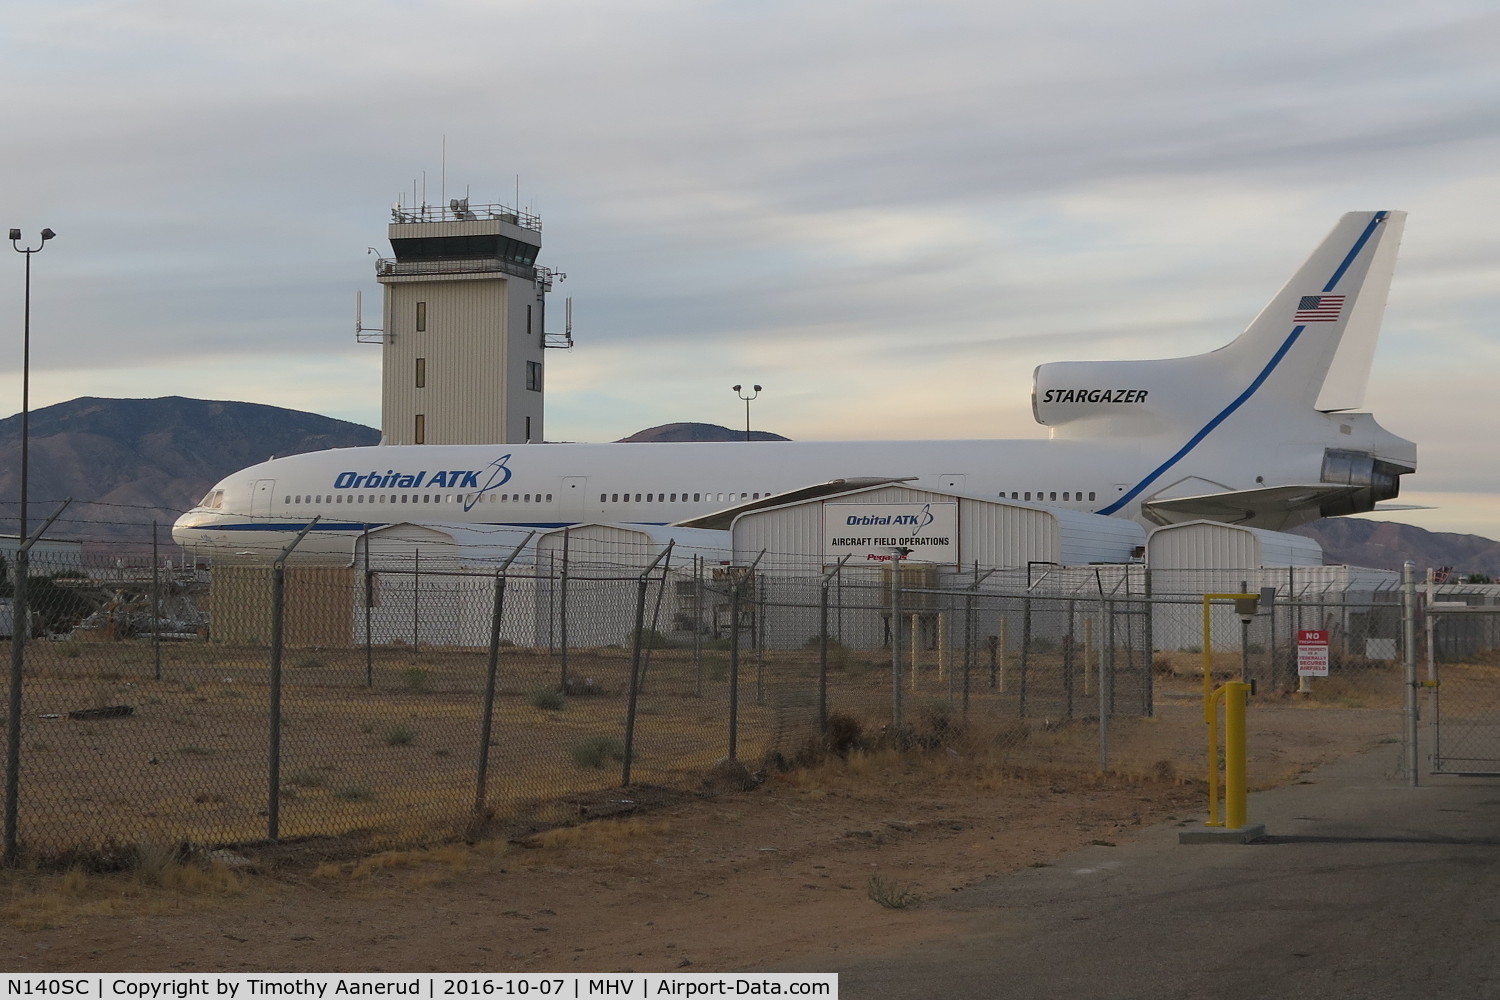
(1464, 662)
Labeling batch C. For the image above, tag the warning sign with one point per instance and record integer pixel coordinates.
(1312, 652)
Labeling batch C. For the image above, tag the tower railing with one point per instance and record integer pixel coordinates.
(390, 267)
(460, 211)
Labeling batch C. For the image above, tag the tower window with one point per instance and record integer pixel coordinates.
(419, 432)
(534, 376)
(421, 317)
(421, 373)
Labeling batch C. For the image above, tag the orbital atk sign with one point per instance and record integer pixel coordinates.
(868, 532)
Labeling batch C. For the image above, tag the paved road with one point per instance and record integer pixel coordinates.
(1363, 887)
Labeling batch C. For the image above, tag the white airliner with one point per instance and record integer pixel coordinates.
(1260, 432)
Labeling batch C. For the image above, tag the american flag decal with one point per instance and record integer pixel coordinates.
(1319, 308)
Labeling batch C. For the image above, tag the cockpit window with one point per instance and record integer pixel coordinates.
(214, 500)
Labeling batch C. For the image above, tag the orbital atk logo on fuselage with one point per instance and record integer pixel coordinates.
(473, 483)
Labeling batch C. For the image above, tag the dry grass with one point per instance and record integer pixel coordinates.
(602, 835)
(158, 884)
(190, 762)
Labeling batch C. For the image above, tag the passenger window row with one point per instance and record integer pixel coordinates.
(677, 497)
(454, 498)
(1067, 495)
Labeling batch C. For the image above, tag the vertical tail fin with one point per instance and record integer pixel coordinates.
(1310, 348)
(1329, 313)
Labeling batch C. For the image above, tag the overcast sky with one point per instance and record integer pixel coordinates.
(885, 213)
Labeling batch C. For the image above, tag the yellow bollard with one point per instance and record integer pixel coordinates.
(1211, 717)
(1235, 695)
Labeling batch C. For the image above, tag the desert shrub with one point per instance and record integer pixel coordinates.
(596, 751)
(548, 699)
(843, 734)
(650, 639)
(937, 725)
(399, 735)
(838, 653)
(891, 895)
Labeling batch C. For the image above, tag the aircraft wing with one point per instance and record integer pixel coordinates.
(1273, 507)
(722, 519)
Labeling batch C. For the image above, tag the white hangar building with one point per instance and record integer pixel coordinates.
(1195, 558)
(947, 531)
(435, 583)
(946, 535)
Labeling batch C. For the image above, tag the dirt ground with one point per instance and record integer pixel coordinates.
(791, 868)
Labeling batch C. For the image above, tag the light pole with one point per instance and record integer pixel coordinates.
(755, 391)
(15, 242)
(19, 619)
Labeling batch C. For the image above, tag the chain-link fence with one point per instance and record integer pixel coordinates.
(1463, 679)
(417, 698)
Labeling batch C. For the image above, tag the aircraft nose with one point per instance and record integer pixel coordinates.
(185, 530)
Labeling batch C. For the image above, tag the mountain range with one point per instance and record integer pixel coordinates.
(129, 462)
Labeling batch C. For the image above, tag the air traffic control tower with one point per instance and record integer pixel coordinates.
(463, 326)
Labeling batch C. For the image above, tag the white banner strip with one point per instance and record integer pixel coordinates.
(335, 986)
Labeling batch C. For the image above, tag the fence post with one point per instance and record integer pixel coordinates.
(1025, 651)
(969, 639)
(1409, 636)
(734, 669)
(661, 593)
(1069, 663)
(1148, 610)
(369, 602)
(1106, 659)
(562, 616)
(916, 653)
(416, 602)
(734, 657)
(896, 638)
(487, 724)
(698, 625)
(758, 636)
(155, 604)
(278, 609)
(20, 626)
(828, 577)
(635, 660)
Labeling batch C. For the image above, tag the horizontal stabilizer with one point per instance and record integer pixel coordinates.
(1274, 507)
